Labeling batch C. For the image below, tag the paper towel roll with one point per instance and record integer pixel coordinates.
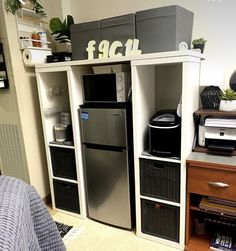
(31, 57)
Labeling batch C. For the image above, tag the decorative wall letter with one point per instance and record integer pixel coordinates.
(90, 49)
(104, 49)
(132, 47)
(114, 46)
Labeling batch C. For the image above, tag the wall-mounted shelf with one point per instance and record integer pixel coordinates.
(28, 13)
(4, 83)
(27, 43)
(28, 22)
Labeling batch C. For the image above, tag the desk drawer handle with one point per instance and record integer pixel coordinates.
(218, 184)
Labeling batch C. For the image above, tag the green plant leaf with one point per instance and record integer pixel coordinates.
(228, 94)
(61, 29)
(70, 20)
(55, 24)
(11, 6)
(199, 41)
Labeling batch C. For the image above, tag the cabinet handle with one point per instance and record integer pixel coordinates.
(218, 184)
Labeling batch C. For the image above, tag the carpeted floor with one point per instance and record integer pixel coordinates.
(93, 236)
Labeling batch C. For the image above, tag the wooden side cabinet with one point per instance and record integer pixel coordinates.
(209, 177)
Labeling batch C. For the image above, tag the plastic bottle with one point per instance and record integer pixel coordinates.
(43, 39)
(36, 36)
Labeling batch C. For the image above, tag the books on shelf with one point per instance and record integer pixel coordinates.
(222, 209)
(222, 242)
(222, 201)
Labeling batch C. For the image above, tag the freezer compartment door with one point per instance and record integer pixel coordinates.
(108, 193)
(104, 126)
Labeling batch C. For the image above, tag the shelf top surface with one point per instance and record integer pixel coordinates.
(214, 112)
(169, 56)
(214, 159)
(28, 13)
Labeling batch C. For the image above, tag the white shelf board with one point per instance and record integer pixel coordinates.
(29, 13)
(170, 56)
(64, 179)
(151, 157)
(172, 203)
(36, 48)
(61, 146)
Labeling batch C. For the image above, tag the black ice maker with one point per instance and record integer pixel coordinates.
(165, 134)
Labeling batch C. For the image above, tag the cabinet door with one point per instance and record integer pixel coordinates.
(108, 186)
(104, 126)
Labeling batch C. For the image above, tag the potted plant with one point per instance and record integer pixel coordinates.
(61, 29)
(199, 43)
(11, 6)
(228, 100)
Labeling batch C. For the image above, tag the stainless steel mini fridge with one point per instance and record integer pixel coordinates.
(107, 149)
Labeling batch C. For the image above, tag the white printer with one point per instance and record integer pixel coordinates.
(220, 133)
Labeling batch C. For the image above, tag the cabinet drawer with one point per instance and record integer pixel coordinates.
(212, 182)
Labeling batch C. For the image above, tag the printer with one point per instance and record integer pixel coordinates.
(220, 133)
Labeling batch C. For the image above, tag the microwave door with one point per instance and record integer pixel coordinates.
(104, 126)
(99, 87)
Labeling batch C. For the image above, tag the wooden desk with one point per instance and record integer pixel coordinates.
(207, 175)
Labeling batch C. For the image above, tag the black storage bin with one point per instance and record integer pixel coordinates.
(160, 179)
(81, 34)
(119, 28)
(66, 196)
(162, 29)
(160, 220)
(63, 162)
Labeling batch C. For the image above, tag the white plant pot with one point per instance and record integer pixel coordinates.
(227, 105)
(63, 47)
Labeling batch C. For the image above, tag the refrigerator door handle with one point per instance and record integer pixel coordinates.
(105, 148)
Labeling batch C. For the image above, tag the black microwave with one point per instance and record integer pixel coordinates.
(107, 87)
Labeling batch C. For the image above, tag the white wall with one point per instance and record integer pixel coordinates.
(213, 19)
(21, 107)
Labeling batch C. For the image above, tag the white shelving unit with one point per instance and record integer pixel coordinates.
(67, 96)
(158, 82)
